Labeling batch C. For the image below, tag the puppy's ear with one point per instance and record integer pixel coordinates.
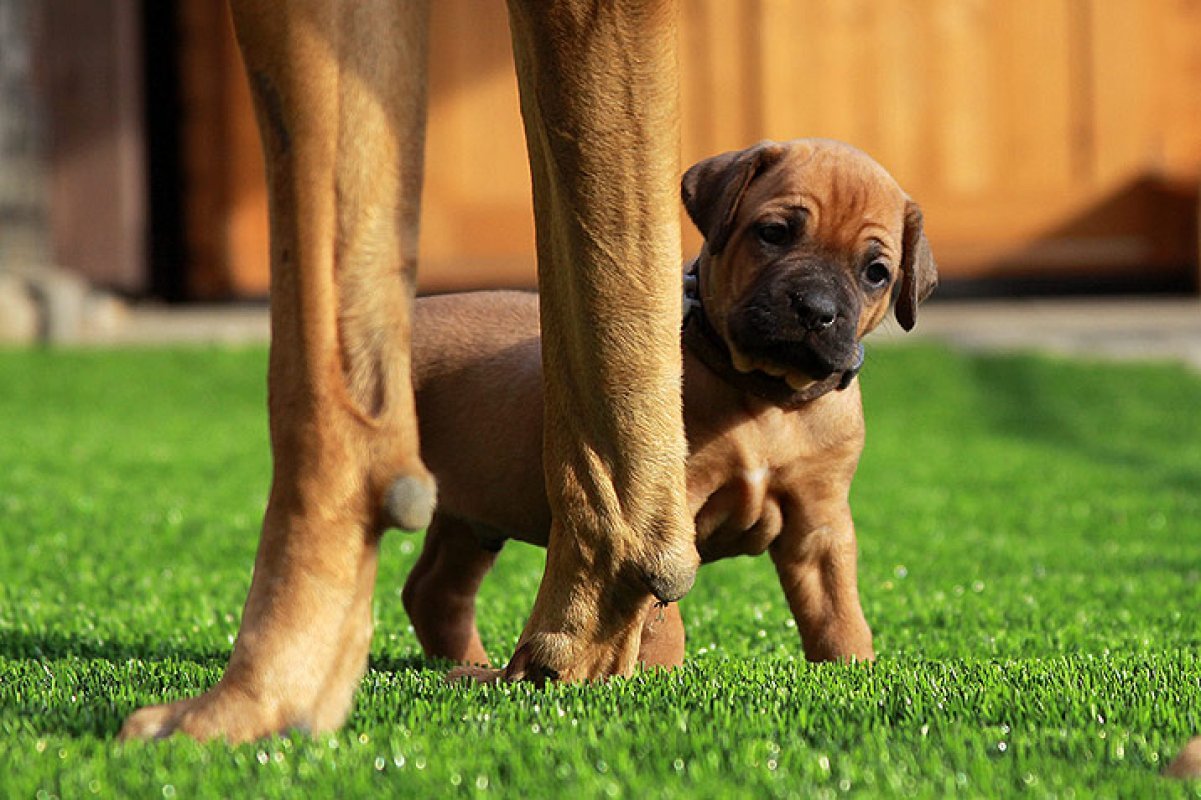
(712, 189)
(919, 276)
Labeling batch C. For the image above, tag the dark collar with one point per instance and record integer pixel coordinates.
(707, 345)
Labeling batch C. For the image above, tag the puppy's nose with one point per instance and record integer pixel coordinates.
(816, 311)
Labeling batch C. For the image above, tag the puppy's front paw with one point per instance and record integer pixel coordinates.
(473, 674)
(522, 667)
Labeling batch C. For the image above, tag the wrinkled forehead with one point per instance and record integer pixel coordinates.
(846, 196)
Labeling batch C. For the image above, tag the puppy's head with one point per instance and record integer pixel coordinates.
(806, 244)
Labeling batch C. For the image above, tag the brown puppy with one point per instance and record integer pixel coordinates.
(806, 242)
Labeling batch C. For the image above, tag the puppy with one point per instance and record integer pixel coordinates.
(807, 244)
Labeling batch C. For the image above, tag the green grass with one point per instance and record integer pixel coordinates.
(1031, 565)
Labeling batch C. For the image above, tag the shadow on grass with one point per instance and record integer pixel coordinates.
(1127, 418)
(56, 645)
(390, 664)
(48, 692)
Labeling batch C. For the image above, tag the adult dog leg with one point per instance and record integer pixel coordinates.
(599, 95)
(340, 93)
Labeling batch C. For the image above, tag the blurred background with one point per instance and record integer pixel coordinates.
(1055, 145)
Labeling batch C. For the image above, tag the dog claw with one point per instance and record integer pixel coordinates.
(409, 503)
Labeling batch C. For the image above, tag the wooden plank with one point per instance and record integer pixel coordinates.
(816, 69)
(966, 105)
(206, 106)
(91, 63)
(1178, 98)
(786, 68)
(901, 62)
(721, 98)
(1032, 134)
(473, 91)
(246, 252)
(831, 34)
(735, 94)
(477, 224)
(1122, 47)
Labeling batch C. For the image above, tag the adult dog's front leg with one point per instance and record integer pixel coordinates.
(817, 561)
(599, 93)
(340, 94)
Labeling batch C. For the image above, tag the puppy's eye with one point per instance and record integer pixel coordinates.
(877, 274)
(773, 233)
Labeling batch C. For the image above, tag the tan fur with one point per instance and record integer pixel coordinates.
(609, 313)
(339, 91)
(1187, 764)
(761, 478)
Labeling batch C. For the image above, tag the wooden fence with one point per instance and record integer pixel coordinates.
(1043, 138)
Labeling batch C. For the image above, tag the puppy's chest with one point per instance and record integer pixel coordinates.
(740, 487)
(740, 517)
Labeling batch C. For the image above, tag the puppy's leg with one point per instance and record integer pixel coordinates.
(662, 642)
(340, 96)
(599, 98)
(440, 592)
(816, 559)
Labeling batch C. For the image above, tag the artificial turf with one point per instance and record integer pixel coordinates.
(1030, 535)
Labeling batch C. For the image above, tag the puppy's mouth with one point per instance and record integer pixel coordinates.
(800, 359)
(794, 362)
